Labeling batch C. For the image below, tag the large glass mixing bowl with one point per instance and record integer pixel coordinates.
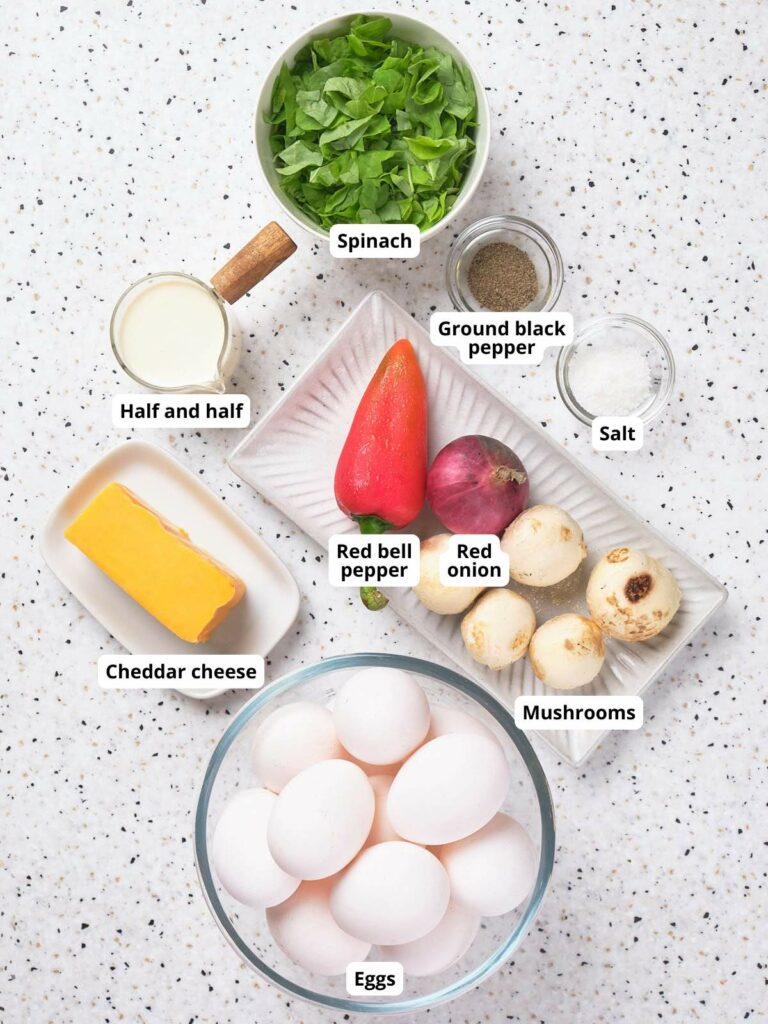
(528, 801)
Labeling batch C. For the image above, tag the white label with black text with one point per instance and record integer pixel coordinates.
(370, 977)
(578, 712)
(181, 411)
(374, 241)
(509, 338)
(474, 560)
(386, 560)
(181, 671)
(617, 433)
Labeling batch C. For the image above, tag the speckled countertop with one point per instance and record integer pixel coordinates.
(632, 131)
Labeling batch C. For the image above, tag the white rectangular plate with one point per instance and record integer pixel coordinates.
(290, 457)
(271, 599)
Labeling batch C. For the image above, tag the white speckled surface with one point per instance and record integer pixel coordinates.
(633, 132)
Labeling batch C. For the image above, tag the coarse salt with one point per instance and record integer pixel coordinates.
(610, 378)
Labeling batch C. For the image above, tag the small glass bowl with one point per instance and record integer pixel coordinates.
(528, 800)
(526, 235)
(629, 330)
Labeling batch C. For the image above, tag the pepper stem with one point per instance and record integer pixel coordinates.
(372, 524)
(372, 598)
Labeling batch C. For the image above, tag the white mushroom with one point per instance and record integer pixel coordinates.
(430, 591)
(567, 652)
(545, 545)
(631, 596)
(497, 631)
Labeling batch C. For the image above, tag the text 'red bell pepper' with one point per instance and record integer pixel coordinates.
(381, 475)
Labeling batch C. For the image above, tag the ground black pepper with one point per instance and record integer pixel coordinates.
(502, 278)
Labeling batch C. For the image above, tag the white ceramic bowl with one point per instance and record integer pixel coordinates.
(412, 30)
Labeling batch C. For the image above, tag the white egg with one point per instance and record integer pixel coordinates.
(321, 819)
(381, 715)
(447, 720)
(393, 892)
(448, 789)
(291, 739)
(304, 928)
(373, 769)
(240, 854)
(493, 870)
(381, 830)
(439, 949)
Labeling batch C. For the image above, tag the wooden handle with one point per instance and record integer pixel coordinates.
(255, 260)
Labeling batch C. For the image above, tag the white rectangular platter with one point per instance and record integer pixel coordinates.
(271, 600)
(290, 457)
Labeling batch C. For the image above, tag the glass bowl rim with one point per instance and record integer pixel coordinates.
(451, 679)
(615, 319)
(501, 222)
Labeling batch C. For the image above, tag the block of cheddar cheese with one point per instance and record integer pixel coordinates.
(185, 589)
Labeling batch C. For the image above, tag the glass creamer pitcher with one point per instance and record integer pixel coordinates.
(172, 332)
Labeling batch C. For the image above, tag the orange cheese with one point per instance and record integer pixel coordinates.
(186, 590)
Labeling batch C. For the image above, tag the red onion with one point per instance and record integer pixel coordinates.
(477, 485)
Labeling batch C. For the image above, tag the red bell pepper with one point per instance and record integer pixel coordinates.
(381, 475)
